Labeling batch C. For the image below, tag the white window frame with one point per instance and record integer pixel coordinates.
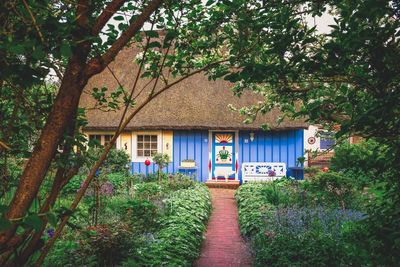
(135, 157)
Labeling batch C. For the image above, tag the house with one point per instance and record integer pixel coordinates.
(318, 145)
(192, 121)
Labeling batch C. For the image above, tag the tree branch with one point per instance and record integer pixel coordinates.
(105, 16)
(98, 64)
(102, 157)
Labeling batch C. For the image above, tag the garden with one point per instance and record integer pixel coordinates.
(327, 63)
(129, 220)
(321, 221)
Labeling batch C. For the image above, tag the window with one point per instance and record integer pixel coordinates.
(147, 145)
(95, 139)
(101, 139)
(327, 139)
(107, 140)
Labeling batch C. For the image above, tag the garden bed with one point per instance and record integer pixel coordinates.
(311, 223)
(149, 224)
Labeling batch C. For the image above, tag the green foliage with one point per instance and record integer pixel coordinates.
(178, 181)
(122, 182)
(73, 185)
(179, 239)
(362, 162)
(287, 228)
(117, 160)
(252, 206)
(147, 191)
(23, 111)
(161, 160)
(158, 225)
(331, 188)
(312, 249)
(102, 245)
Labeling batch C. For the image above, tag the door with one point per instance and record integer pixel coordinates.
(223, 155)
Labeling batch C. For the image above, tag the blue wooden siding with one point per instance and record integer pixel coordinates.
(280, 146)
(186, 145)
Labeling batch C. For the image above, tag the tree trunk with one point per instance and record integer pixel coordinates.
(62, 112)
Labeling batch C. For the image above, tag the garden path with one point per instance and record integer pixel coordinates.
(223, 246)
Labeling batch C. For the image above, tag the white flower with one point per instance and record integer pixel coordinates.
(139, 56)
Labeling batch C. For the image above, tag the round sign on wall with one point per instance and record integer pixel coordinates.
(311, 140)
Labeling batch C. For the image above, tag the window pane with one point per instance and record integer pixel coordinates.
(140, 153)
(140, 145)
(146, 145)
(147, 153)
(153, 152)
(154, 138)
(147, 138)
(140, 137)
(154, 146)
(95, 139)
(107, 137)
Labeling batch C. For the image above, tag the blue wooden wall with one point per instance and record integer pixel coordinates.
(280, 146)
(186, 145)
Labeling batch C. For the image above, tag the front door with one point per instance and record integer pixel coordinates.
(223, 155)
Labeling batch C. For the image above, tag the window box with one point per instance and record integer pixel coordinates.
(188, 163)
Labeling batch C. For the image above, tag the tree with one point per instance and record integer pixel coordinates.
(33, 41)
(348, 77)
(67, 37)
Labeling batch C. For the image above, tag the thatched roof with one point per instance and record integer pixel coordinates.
(195, 103)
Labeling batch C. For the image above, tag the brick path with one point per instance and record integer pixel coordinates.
(223, 246)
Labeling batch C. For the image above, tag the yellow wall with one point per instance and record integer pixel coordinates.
(126, 143)
(167, 143)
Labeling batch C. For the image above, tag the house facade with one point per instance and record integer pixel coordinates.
(216, 153)
(192, 121)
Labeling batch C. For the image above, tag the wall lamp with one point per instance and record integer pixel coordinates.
(251, 135)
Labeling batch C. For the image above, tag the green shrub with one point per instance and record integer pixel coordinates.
(363, 162)
(298, 223)
(73, 185)
(121, 181)
(178, 181)
(148, 191)
(311, 249)
(179, 239)
(143, 214)
(253, 208)
(161, 160)
(102, 245)
(117, 160)
(333, 189)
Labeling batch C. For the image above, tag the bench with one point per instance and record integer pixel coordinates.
(262, 171)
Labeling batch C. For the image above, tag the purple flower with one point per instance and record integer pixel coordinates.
(298, 220)
(50, 232)
(106, 189)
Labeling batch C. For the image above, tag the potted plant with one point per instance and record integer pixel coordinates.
(188, 163)
(224, 154)
(300, 161)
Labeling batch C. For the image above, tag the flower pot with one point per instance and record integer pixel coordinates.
(188, 164)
